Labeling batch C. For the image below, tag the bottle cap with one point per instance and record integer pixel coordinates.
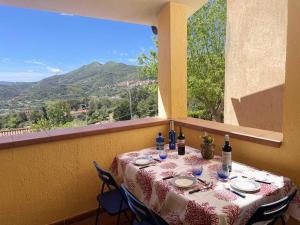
(226, 137)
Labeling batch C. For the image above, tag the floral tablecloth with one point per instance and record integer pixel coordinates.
(210, 207)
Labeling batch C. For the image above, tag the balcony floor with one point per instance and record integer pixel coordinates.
(105, 219)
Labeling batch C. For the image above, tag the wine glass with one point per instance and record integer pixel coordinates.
(162, 154)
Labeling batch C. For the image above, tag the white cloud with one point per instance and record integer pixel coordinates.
(54, 70)
(66, 14)
(33, 61)
(132, 60)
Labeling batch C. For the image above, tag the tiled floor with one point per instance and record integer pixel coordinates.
(104, 220)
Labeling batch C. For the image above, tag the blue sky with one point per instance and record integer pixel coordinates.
(37, 44)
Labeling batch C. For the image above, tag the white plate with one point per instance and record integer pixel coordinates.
(142, 161)
(245, 185)
(184, 181)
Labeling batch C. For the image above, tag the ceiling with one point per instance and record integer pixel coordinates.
(132, 11)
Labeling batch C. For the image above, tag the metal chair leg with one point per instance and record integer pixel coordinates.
(98, 213)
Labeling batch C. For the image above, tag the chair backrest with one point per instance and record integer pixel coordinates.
(141, 212)
(106, 178)
(272, 211)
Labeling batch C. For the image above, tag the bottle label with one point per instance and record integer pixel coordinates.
(181, 142)
(226, 159)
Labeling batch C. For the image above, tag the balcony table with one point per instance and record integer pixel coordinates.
(210, 207)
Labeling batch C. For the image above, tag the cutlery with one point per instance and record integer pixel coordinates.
(203, 181)
(259, 181)
(157, 160)
(207, 186)
(169, 177)
(194, 191)
(264, 182)
(237, 193)
(143, 167)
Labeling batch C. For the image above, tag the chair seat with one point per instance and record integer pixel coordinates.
(110, 202)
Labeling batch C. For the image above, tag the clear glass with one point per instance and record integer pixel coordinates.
(162, 154)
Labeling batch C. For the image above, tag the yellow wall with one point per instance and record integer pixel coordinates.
(255, 63)
(48, 182)
(172, 61)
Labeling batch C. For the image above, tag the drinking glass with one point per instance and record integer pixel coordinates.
(162, 154)
(223, 173)
(197, 170)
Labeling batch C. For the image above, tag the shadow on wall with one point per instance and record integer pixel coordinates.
(262, 110)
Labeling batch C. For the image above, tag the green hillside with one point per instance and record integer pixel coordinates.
(94, 79)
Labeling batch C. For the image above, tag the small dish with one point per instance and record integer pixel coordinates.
(184, 181)
(142, 161)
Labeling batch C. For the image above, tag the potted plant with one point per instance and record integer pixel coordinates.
(207, 146)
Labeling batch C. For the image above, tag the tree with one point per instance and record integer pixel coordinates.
(59, 113)
(122, 111)
(206, 61)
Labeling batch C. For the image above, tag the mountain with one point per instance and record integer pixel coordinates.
(85, 81)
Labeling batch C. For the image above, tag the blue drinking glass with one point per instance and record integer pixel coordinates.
(197, 170)
(162, 154)
(223, 173)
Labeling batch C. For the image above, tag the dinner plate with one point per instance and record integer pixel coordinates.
(184, 181)
(245, 185)
(142, 161)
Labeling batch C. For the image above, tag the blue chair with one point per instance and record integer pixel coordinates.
(273, 211)
(142, 214)
(112, 201)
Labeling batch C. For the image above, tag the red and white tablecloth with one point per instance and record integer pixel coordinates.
(210, 207)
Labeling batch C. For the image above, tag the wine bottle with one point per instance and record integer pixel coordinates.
(160, 142)
(181, 143)
(226, 154)
(172, 136)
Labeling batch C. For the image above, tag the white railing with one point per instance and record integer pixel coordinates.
(15, 131)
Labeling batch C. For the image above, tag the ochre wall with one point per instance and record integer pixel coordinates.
(172, 61)
(255, 63)
(49, 182)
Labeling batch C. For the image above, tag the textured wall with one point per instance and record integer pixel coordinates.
(255, 63)
(48, 182)
(172, 61)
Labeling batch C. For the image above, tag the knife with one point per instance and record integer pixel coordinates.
(143, 167)
(264, 182)
(237, 193)
(194, 191)
(169, 177)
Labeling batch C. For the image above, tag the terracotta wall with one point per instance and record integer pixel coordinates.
(255, 63)
(48, 182)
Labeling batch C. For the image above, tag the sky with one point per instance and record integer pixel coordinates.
(37, 44)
